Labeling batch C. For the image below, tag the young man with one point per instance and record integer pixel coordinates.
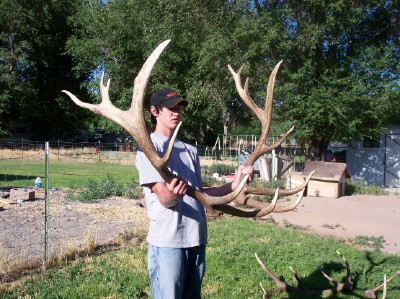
(178, 227)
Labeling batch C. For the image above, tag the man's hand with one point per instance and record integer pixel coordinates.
(242, 170)
(177, 187)
(170, 193)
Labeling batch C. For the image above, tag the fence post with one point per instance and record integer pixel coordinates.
(58, 149)
(46, 209)
(98, 152)
(22, 148)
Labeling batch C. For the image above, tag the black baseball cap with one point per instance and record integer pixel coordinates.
(166, 97)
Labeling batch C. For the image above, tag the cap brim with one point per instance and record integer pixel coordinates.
(174, 101)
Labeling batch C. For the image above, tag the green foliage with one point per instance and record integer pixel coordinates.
(354, 187)
(295, 226)
(375, 243)
(112, 274)
(222, 169)
(338, 71)
(104, 189)
(338, 80)
(269, 184)
(231, 251)
(34, 69)
(209, 180)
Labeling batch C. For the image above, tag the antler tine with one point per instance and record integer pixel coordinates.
(105, 108)
(265, 117)
(244, 92)
(270, 192)
(280, 285)
(270, 95)
(345, 286)
(384, 287)
(371, 293)
(142, 78)
(264, 209)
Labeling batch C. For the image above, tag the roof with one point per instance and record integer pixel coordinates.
(332, 171)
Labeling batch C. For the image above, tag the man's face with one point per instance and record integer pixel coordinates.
(168, 117)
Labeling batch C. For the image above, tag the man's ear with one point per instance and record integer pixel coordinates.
(153, 111)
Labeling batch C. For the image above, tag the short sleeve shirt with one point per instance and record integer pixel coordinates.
(184, 225)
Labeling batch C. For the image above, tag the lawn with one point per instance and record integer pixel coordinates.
(62, 174)
(232, 270)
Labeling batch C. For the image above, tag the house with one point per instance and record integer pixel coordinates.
(328, 180)
(377, 162)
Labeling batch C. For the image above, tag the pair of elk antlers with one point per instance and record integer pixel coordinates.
(345, 286)
(132, 120)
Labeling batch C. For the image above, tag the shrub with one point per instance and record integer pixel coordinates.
(210, 181)
(222, 169)
(104, 189)
(354, 187)
(375, 243)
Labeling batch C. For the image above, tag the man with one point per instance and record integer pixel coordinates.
(178, 227)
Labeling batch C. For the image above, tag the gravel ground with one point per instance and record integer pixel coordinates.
(71, 226)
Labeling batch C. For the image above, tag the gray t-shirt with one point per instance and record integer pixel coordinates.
(183, 225)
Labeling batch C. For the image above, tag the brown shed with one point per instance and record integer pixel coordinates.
(328, 180)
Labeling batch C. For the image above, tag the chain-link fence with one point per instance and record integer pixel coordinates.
(38, 223)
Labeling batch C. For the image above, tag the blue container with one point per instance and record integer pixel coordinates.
(38, 183)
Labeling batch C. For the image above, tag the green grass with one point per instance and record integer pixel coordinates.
(22, 173)
(232, 270)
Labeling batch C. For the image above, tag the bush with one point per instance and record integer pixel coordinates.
(222, 169)
(104, 189)
(210, 181)
(269, 184)
(359, 187)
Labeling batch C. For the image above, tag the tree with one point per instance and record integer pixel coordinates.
(340, 68)
(34, 68)
(340, 63)
(117, 36)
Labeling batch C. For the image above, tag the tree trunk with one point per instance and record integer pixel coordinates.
(314, 150)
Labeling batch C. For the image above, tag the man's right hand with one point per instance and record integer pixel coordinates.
(170, 193)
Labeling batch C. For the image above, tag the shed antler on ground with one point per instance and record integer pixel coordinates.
(132, 120)
(345, 286)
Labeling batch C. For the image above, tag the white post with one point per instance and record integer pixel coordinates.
(274, 165)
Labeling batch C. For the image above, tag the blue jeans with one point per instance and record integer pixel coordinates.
(176, 273)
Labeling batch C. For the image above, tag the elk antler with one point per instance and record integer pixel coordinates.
(345, 286)
(265, 117)
(132, 120)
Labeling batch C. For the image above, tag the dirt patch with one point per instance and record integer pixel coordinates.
(350, 216)
(70, 225)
